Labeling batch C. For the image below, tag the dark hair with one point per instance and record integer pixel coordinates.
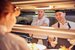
(5, 7)
(60, 11)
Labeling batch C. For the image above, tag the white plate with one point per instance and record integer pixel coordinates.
(39, 46)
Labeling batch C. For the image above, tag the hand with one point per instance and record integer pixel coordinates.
(72, 41)
(52, 41)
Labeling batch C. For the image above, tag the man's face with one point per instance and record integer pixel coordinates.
(40, 13)
(60, 16)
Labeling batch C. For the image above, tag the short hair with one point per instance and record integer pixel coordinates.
(60, 11)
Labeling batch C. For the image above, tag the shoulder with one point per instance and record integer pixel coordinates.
(35, 18)
(72, 24)
(15, 41)
(12, 37)
(18, 40)
(55, 25)
(46, 19)
(15, 37)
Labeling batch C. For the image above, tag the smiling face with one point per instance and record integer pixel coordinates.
(60, 16)
(40, 14)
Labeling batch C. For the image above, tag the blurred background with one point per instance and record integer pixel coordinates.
(29, 9)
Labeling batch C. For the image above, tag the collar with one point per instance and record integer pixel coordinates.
(41, 18)
(64, 23)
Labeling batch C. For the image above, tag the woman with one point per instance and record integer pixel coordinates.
(9, 41)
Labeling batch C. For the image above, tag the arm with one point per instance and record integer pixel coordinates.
(72, 41)
(72, 24)
(46, 22)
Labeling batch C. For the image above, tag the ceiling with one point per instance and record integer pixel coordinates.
(44, 4)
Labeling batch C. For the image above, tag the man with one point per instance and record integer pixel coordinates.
(41, 20)
(62, 24)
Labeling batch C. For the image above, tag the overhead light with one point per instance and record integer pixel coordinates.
(50, 7)
(43, 8)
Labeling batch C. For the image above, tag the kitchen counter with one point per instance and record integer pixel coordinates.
(44, 31)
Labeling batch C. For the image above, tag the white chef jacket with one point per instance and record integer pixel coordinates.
(39, 22)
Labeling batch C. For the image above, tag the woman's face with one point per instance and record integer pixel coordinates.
(11, 19)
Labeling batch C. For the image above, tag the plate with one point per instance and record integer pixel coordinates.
(39, 46)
